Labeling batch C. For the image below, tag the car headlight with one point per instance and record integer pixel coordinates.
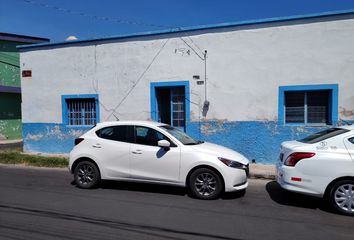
(232, 164)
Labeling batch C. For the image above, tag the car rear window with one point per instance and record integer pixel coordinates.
(116, 133)
(320, 136)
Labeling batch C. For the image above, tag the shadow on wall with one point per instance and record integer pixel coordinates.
(10, 106)
(10, 116)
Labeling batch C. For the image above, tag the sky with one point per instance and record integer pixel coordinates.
(85, 19)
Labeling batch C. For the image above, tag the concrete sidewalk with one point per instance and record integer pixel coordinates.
(265, 171)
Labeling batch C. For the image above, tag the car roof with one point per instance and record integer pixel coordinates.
(143, 123)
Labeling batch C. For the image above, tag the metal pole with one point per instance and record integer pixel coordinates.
(205, 73)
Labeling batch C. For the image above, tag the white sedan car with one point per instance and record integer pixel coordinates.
(321, 165)
(156, 153)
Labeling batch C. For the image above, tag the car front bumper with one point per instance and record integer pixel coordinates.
(235, 179)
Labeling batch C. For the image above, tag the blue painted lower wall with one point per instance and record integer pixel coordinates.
(50, 137)
(258, 140)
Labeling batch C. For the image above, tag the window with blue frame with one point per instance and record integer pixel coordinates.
(308, 104)
(80, 110)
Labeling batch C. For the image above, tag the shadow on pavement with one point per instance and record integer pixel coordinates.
(283, 197)
(144, 187)
(157, 188)
(233, 195)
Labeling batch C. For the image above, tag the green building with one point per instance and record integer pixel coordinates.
(10, 84)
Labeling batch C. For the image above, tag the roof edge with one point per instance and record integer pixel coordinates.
(195, 28)
(22, 38)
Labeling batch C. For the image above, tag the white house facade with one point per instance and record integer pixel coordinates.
(247, 85)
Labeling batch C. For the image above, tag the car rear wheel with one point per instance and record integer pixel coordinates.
(205, 183)
(342, 197)
(86, 175)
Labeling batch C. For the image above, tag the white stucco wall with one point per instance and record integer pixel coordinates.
(245, 67)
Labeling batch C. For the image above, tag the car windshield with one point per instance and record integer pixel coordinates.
(181, 136)
(320, 136)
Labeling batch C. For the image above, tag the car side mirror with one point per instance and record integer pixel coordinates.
(164, 144)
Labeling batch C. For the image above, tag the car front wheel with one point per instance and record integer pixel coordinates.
(86, 175)
(205, 183)
(342, 197)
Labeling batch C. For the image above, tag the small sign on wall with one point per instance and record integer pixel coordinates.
(26, 73)
(200, 82)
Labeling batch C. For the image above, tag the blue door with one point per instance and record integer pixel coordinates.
(171, 107)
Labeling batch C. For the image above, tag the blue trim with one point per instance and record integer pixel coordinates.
(196, 28)
(9, 89)
(64, 109)
(333, 106)
(153, 100)
(153, 103)
(171, 107)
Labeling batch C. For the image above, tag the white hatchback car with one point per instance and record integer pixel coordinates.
(153, 152)
(321, 165)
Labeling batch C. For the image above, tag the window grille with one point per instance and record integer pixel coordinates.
(81, 111)
(309, 107)
(178, 108)
(295, 107)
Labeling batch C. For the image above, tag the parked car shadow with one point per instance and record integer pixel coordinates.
(157, 188)
(233, 195)
(283, 197)
(143, 187)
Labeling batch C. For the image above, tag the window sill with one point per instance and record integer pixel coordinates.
(307, 125)
(79, 126)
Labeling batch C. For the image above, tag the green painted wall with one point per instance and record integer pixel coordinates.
(10, 103)
(9, 64)
(11, 129)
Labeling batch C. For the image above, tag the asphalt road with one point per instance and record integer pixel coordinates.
(44, 204)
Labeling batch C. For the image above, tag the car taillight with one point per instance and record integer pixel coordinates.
(296, 157)
(78, 140)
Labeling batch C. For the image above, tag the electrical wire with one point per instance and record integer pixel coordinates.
(113, 110)
(95, 82)
(115, 20)
(192, 49)
(95, 17)
(200, 55)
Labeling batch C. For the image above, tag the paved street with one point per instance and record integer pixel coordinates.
(44, 204)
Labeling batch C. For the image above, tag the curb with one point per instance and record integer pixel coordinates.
(11, 144)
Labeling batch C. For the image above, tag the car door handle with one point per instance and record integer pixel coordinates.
(138, 151)
(97, 145)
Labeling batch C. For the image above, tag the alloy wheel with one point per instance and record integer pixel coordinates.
(344, 198)
(205, 184)
(86, 174)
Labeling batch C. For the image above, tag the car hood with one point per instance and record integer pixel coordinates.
(220, 151)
